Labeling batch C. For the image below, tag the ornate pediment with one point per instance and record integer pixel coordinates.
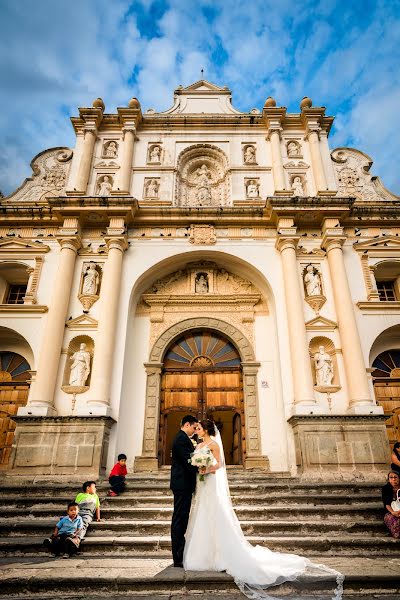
(321, 324)
(19, 247)
(202, 97)
(82, 322)
(387, 245)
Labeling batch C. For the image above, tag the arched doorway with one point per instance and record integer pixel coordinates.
(386, 376)
(202, 375)
(14, 389)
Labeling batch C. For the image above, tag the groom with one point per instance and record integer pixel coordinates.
(183, 484)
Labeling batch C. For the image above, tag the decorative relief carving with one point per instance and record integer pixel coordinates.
(104, 185)
(202, 235)
(151, 187)
(154, 153)
(312, 281)
(252, 188)
(249, 154)
(202, 177)
(50, 172)
(90, 284)
(110, 149)
(201, 283)
(77, 370)
(303, 251)
(297, 183)
(293, 149)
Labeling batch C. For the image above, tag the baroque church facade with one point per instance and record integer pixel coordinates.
(208, 261)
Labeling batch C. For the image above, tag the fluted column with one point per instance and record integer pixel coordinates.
(42, 400)
(360, 400)
(300, 357)
(82, 177)
(124, 177)
(105, 338)
(316, 161)
(277, 163)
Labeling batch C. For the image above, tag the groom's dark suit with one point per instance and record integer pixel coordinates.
(183, 484)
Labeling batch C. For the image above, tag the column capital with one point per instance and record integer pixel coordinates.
(310, 129)
(333, 234)
(153, 368)
(117, 242)
(277, 129)
(284, 242)
(73, 243)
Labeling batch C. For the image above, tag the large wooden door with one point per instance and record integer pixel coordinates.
(387, 390)
(14, 389)
(202, 376)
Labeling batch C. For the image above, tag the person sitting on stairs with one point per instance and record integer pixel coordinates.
(89, 505)
(65, 539)
(117, 476)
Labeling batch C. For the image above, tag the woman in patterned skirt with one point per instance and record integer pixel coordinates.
(390, 492)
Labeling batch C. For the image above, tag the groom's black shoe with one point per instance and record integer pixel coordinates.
(180, 565)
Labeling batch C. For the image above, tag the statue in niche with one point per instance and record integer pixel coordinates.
(201, 284)
(91, 279)
(323, 367)
(293, 150)
(155, 154)
(297, 186)
(80, 367)
(203, 176)
(111, 150)
(152, 189)
(252, 189)
(105, 186)
(250, 154)
(312, 281)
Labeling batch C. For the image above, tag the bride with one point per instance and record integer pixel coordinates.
(215, 541)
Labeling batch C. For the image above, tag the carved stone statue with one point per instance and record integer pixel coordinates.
(297, 187)
(293, 150)
(323, 367)
(155, 154)
(152, 189)
(312, 281)
(252, 189)
(201, 284)
(250, 154)
(91, 280)
(111, 150)
(203, 176)
(105, 186)
(80, 367)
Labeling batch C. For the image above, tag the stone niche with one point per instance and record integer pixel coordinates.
(61, 446)
(341, 447)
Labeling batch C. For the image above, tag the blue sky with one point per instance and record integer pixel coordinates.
(56, 56)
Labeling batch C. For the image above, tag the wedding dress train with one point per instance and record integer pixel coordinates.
(215, 542)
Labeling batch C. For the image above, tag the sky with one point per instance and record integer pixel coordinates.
(56, 56)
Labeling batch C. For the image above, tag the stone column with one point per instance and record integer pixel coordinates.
(105, 338)
(277, 163)
(148, 461)
(124, 175)
(42, 401)
(82, 177)
(254, 458)
(316, 161)
(303, 388)
(360, 401)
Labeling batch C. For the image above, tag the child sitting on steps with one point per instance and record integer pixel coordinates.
(89, 505)
(65, 539)
(117, 476)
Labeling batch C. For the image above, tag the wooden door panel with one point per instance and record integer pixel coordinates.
(387, 394)
(11, 398)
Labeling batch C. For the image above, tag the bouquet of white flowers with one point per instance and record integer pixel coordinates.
(202, 459)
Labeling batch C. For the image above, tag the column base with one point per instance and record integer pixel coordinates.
(365, 409)
(101, 410)
(60, 447)
(32, 410)
(341, 447)
(312, 408)
(145, 464)
(257, 462)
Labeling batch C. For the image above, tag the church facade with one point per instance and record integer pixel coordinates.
(208, 261)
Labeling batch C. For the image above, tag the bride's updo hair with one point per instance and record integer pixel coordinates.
(208, 426)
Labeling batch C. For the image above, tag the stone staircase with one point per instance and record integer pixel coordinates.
(339, 524)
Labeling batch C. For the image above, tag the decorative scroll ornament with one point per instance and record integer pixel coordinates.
(202, 235)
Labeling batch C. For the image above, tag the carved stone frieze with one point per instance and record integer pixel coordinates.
(202, 235)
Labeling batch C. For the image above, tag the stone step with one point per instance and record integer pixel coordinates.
(127, 545)
(100, 579)
(28, 527)
(367, 512)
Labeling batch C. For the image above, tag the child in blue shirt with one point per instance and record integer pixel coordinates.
(65, 539)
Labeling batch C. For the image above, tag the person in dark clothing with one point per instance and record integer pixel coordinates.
(183, 485)
(390, 493)
(395, 466)
(117, 476)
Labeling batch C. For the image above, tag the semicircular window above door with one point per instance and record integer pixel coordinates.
(201, 350)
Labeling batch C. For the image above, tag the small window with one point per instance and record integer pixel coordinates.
(16, 294)
(386, 290)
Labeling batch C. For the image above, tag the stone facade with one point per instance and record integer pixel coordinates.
(240, 225)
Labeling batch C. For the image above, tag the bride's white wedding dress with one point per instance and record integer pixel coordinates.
(215, 542)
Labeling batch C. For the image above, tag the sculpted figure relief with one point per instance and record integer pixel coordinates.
(91, 280)
(323, 367)
(80, 367)
(297, 187)
(293, 150)
(111, 150)
(201, 284)
(252, 189)
(312, 281)
(203, 176)
(105, 186)
(250, 154)
(155, 154)
(152, 189)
